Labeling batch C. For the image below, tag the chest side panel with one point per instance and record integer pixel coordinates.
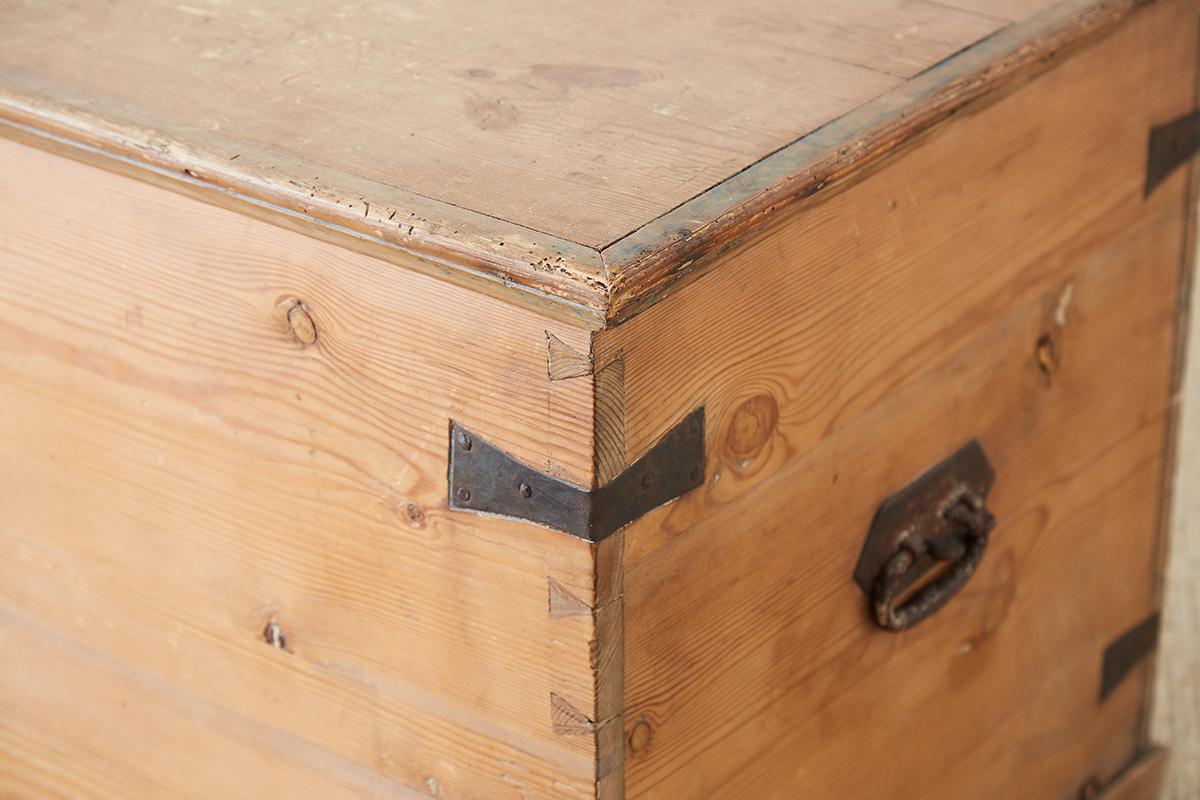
(1005, 278)
(228, 565)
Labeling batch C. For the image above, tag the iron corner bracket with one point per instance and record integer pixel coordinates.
(485, 479)
(1126, 652)
(1171, 145)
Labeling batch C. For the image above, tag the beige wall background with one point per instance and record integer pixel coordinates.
(1176, 719)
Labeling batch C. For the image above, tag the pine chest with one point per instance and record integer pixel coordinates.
(651, 399)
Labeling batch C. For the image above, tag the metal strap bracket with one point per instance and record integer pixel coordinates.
(483, 478)
(1126, 652)
(1172, 145)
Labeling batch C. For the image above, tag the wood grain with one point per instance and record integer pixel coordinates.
(185, 465)
(57, 747)
(609, 420)
(840, 353)
(528, 119)
(1173, 691)
(223, 528)
(1142, 780)
(610, 667)
(741, 663)
(1003, 9)
(651, 262)
(563, 361)
(816, 311)
(512, 156)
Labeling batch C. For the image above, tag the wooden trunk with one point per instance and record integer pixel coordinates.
(391, 408)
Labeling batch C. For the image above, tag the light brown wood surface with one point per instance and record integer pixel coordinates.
(1142, 780)
(224, 537)
(547, 148)
(182, 468)
(841, 354)
(1004, 9)
(566, 118)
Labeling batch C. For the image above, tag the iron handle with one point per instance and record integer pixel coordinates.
(927, 539)
(963, 545)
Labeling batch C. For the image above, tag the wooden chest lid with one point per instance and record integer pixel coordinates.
(585, 153)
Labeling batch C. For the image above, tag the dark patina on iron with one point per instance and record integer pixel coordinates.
(484, 478)
(1127, 652)
(939, 518)
(1172, 144)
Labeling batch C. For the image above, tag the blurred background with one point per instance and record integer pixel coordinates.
(1176, 719)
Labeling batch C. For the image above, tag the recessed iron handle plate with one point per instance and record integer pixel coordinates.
(965, 550)
(940, 520)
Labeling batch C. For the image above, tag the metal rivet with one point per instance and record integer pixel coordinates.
(464, 495)
(526, 490)
(464, 441)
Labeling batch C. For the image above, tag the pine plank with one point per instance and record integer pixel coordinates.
(750, 668)
(209, 424)
(1003, 9)
(527, 114)
(828, 292)
(652, 263)
(137, 737)
(1142, 780)
(223, 522)
(780, 682)
(563, 154)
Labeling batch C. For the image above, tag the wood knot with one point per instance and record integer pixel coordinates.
(414, 515)
(273, 635)
(299, 321)
(639, 735)
(491, 114)
(750, 429)
(1047, 358)
(1091, 789)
